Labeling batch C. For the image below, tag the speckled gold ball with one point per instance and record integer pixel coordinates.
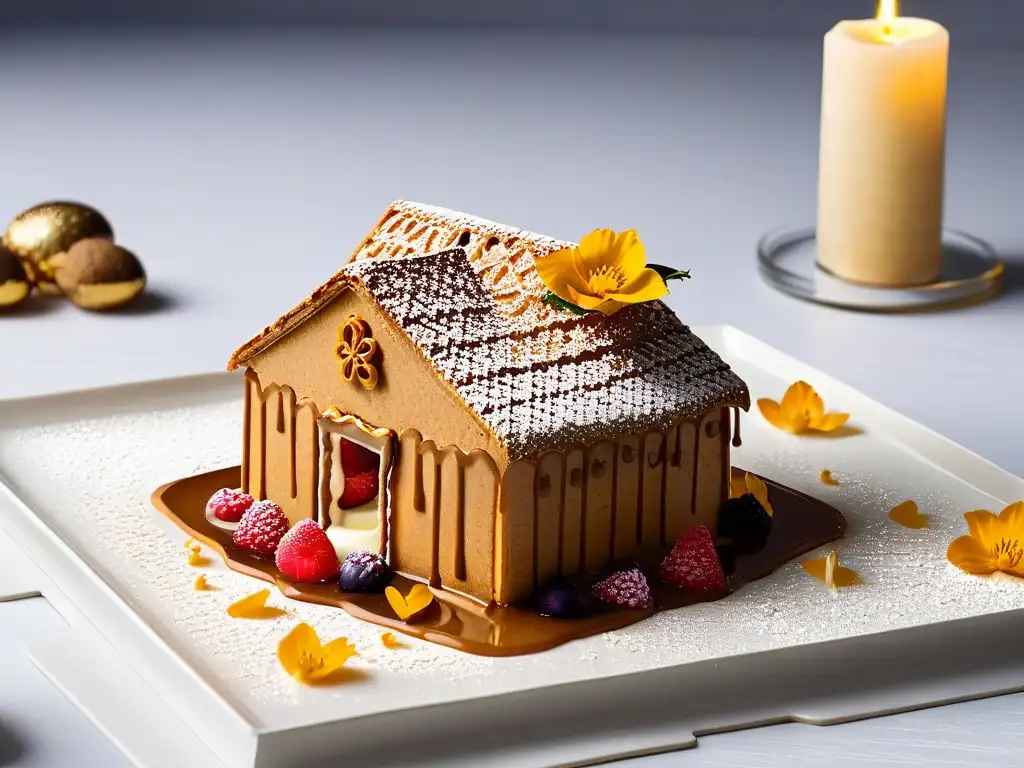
(14, 283)
(41, 236)
(96, 274)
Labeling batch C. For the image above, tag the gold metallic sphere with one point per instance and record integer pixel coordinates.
(41, 235)
(14, 283)
(96, 274)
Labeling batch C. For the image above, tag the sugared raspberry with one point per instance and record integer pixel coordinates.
(306, 554)
(627, 588)
(693, 563)
(229, 504)
(261, 528)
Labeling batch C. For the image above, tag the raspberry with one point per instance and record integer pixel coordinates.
(261, 528)
(693, 563)
(627, 588)
(229, 504)
(306, 554)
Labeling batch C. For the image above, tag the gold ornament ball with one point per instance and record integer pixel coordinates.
(41, 236)
(14, 283)
(96, 274)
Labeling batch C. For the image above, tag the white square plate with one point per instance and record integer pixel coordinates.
(77, 470)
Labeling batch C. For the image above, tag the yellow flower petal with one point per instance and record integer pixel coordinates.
(737, 487)
(830, 422)
(585, 300)
(390, 641)
(826, 477)
(332, 657)
(802, 404)
(596, 250)
(254, 607)
(200, 584)
(559, 272)
(757, 488)
(630, 254)
(409, 606)
(646, 286)
(1013, 518)
(983, 526)
(908, 515)
(772, 413)
(968, 554)
(841, 577)
(292, 647)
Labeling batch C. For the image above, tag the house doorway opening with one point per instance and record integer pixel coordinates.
(356, 459)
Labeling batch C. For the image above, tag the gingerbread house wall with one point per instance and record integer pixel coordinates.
(444, 532)
(580, 510)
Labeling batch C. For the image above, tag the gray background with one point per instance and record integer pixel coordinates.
(243, 158)
(968, 20)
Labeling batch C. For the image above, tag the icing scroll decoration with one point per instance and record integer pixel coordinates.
(356, 350)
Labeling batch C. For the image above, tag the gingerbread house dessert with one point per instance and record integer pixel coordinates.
(427, 404)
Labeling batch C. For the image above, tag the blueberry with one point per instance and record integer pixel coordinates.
(365, 572)
(745, 522)
(561, 598)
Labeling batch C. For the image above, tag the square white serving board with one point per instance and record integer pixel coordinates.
(173, 680)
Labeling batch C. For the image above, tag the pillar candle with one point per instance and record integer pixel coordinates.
(883, 137)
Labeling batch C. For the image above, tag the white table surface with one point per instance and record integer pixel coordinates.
(244, 168)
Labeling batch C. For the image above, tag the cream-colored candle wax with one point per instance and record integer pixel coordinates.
(883, 140)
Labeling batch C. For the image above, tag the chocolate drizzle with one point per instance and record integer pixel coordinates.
(801, 524)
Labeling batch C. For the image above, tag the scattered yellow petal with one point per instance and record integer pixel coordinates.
(189, 542)
(304, 657)
(828, 570)
(737, 487)
(801, 410)
(390, 640)
(826, 477)
(412, 605)
(994, 543)
(196, 559)
(757, 488)
(254, 607)
(201, 584)
(907, 514)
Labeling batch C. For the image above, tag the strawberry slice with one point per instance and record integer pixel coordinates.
(305, 554)
(693, 563)
(359, 489)
(357, 460)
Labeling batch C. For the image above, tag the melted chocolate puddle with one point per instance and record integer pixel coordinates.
(801, 524)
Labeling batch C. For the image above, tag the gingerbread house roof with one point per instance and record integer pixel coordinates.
(467, 294)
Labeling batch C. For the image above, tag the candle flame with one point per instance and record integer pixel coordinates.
(888, 11)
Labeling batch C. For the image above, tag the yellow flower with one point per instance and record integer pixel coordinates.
(995, 543)
(355, 351)
(307, 660)
(606, 271)
(801, 410)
